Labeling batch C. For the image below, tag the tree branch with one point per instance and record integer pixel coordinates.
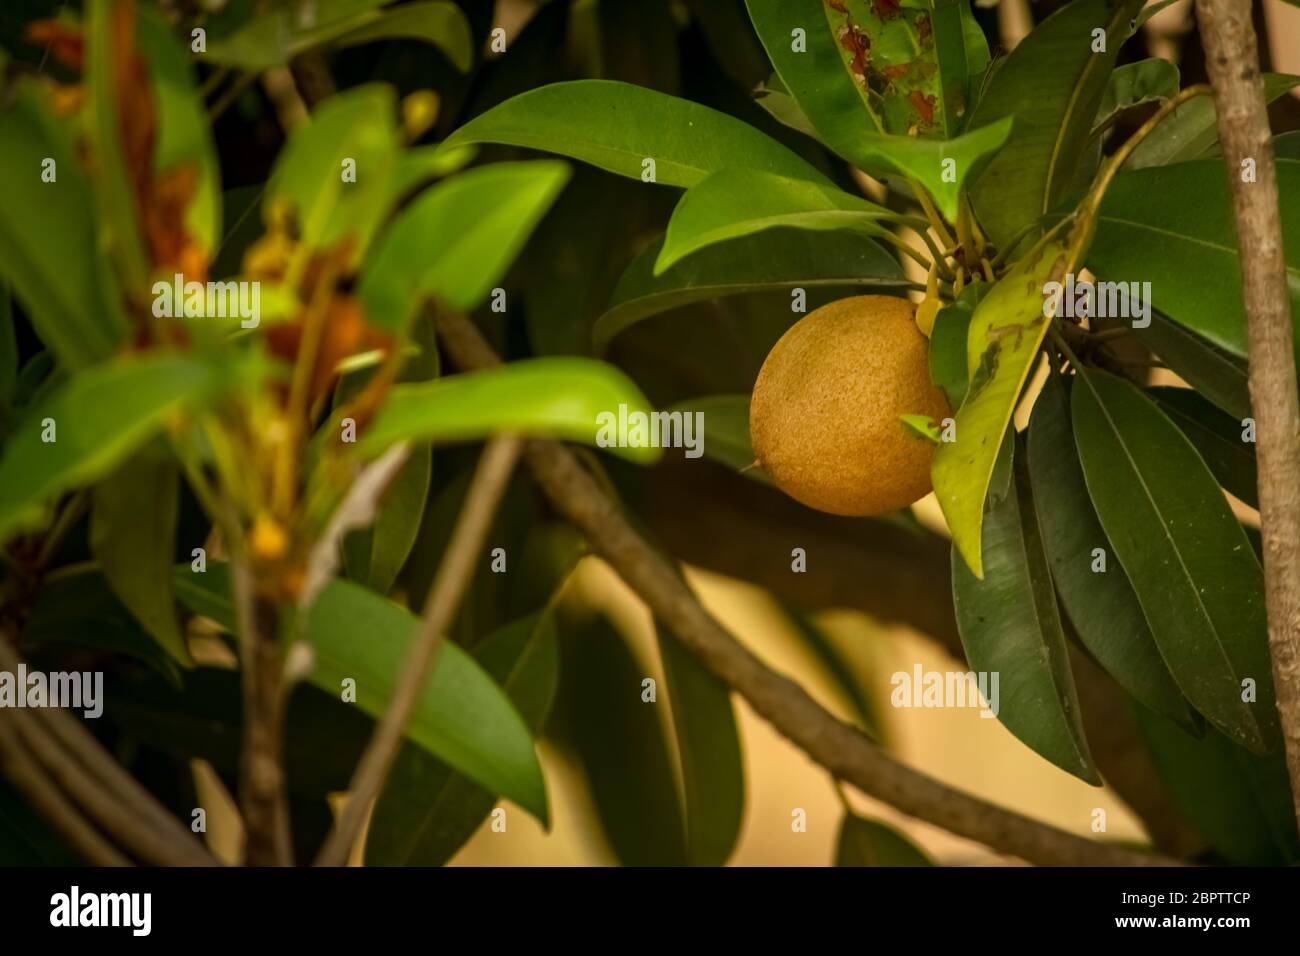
(840, 748)
(491, 478)
(1232, 60)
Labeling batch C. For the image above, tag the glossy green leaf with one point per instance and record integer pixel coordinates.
(1239, 801)
(1010, 627)
(274, 37)
(566, 398)
(1147, 81)
(735, 203)
(1002, 343)
(133, 537)
(1147, 231)
(864, 842)
(427, 812)
(184, 134)
(726, 430)
(462, 717)
(1192, 131)
(54, 270)
(1218, 438)
(308, 181)
(1216, 374)
(617, 126)
(495, 208)
(948, 343)
(779, 259)
(1195, 575)
(1052, 83)
(708, 746)
(373, 556)
(100, 416)
(621, 741)
(879, 134)
(1100, 603)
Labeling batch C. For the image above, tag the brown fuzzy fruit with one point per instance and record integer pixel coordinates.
(824, 418)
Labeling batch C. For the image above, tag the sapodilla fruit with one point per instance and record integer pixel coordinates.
(824, 417)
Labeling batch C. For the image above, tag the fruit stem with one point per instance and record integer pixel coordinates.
(932, 214)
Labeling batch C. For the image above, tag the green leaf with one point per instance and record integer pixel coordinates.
(1192, 567)
(373, 556)
(772, 95)
(948, 343)
(864, 842)
(1010, 627)
(840, 671)
(1192, 131)
(737, 203)
(426, 811)
(1217, 375)
(9, 356)
(708, 745)
(561, 397)
(1147, 81)
(726, 429)
(277, 36)
(1218, 438)
(1147, 231)
(616, 126)
(622, 744)
(462, 716)
(495, 208)
(133, 537)
(1052, 83)
(307, 182)
(1002, 343)
(1239, 801)
(1101, 604)
(779, 259)
(54, 270)
(100, 417)
(184, 135)
(435, 22)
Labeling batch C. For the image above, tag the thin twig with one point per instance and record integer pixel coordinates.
(491, 478)
(837, 746)
(1232, 61)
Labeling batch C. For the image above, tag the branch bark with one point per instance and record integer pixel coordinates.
(840, 748)
(491, 478)
(1232, 60)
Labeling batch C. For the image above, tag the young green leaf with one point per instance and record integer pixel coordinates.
(462, 717)
(1217, 436)
(335, 173)
(1010, 627)
(1192, 131)
(708, 745)
(562, 397)
(374, 555)
(133, 537)
(55, 271)
(864, 842)
(1191, 566)
(1052, 83)
(1147, 231)
(948, 343)
(418, 257)
(1094, 589)
(1005, 333)
(735, 203)
(620, 128)
(426, 811)
(90, 424)
(778, 259)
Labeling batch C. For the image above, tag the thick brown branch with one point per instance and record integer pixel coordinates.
(840, 748)
(1232, 60)
(454, 574)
